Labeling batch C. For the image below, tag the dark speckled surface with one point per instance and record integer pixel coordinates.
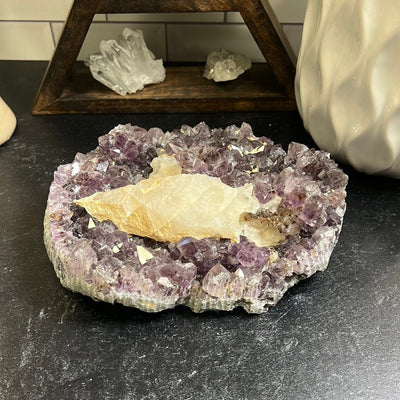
(334, 336)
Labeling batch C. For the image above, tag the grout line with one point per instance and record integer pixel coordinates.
(148, 22)
(52, 34)
(31, 20)
(292, 23)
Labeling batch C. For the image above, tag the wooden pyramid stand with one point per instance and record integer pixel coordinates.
(69, 88)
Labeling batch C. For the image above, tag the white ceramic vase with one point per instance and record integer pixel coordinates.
(348, 81)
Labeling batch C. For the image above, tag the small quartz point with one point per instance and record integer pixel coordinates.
(126, 65)
(170, 206)
(224, 65)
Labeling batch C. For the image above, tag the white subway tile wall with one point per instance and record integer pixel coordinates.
(195, 41)
(154, 35)
(25, 40)
(30, 30)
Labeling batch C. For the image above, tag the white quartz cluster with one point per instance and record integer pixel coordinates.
(224, 65)
(126, 65)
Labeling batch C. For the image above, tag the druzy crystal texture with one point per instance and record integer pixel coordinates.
(298, 193)
(223, 65)
(126, 65)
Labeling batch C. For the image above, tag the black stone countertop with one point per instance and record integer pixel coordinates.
(333, 336)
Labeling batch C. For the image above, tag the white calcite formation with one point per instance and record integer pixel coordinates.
(8, 122)
(126, 65)
(186, 198)
(224, 65)
(117, 230)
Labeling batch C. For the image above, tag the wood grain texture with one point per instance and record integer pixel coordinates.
(67, 88)
(268, 34)
(70, 42)
(160, 6)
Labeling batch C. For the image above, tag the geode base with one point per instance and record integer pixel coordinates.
(99, 260)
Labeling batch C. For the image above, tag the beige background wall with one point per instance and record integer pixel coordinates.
(30, 29)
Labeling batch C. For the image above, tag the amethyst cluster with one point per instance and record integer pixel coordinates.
(97, 259)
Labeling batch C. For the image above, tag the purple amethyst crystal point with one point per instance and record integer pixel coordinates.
(300, 195)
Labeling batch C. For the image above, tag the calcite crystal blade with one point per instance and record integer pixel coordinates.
(207, 218)
(126, 65)
(169, 208)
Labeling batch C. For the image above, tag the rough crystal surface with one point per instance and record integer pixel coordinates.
(303, 188)
(224, 65)
(126, 65)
